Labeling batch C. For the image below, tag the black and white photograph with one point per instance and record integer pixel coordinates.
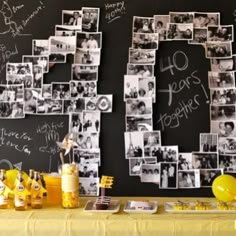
(149, 160)
(160, 22)
(142, 56)
(66, 30)
(87, 156)
(135, 166)
(223, 112)
(40, 47)
(75, 122)
(21, 69)
(37, 76)
(31, 99)
(181, 17)
(228, 163)
(87, 56)
(227, 145)
(143, 24)
(224, 128)
(47, 90)
(145, 41)
(49, 106)
(203, 160)
(90, 19)
(218, 49)
(208, 176)
(62, 44)
(11, 93)
(88, 170)
(165, 153)
(139, 123)
(199, 36)
(151, 139)
(223, 96)
(168, 175)
(91, 121)
(57, 58)
(150, 173)
(86, 73)
(221, 79)
(179, 31)
(60, 90)
(12, 110)
(223, 64)
(89, 186)
(141, 70)
(185, 161)
(26, 80)
(72, 18)
(89, 40)
(133, 144)
(73, 105)
(189, 179)
(87, 140)
(220, 33)
(80, 89)
(101, 103)
(142, 106)
(38, 61)
(131, 86)
(203, 19)
(147, 88)
(208, 142)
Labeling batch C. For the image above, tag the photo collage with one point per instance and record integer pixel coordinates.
(165, 165)
(26, 92)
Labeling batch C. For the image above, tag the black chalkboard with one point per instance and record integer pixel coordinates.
(30, 142)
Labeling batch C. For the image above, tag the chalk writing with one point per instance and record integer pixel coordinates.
(15, 9)
(4, 162)
(19, 141)
(114, 11)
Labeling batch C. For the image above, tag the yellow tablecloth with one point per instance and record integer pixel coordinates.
(55, 221)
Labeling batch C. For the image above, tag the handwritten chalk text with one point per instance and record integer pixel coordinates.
(114, 11)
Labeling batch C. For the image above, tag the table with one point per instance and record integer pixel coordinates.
(55, 221)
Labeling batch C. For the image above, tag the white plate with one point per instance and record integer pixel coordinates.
(153, 210)
(113, 208)
(169, 207)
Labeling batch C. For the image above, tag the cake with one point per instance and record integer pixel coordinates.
(102, 203)
(140, 205)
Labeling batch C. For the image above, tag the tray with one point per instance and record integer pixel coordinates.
(113, 208)
(170, 208)
(153, 210)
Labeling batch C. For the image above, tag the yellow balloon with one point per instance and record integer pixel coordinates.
(224, 188)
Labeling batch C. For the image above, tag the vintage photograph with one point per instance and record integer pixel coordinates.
(88, 187)
(147, 88)
(135, 166)
(221, 79)
(11, 93)
(140, 70)
(227, 163)
(181, 17)
(42, 61)
(223, 112)
(66, 30)
(202, 160)
(40, 47)
(26, 80)
(37, 76)
(131, 86)
(134, 144)
(87, 156)
(199, 36)
(60, 90)
(88, 170)
(224, 64)
(139, 123)
(101, 103)
(164, 153)
(208, 176)
(179, 31)
(62, 44)
(31, 99)
(145, 41)
(47, 106)
(142, 106)
(189, 179)
(87, 56)
(208, 142)
(57, 58)
(20, 69)
(47, 90)
(142, 56)
(224, 128)
(227, 145)
(149, 160)
(89, 40)
(87, 140)
(72, 18)
(73, 105)
(90, 19)
(80, 89)
(223, 96)
(220, 33)
(160, 25)
(218, 49)
(12, 110)
(143, 24)
(91, 121)
(203, 19)
(150, 140)
(168, 175)
(75, 122)
(86, 73)
(150, 173)
(185, 161)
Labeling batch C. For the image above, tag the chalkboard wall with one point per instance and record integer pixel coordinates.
(30, 142)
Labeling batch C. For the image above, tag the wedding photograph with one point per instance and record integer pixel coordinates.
(135, 166)
(151, 139)
(189, 179)
(131, 86)
(168, 175)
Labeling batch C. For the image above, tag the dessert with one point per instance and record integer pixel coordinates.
(225, 206)
(102, 203)
(139, 205)
(199, 206)
(180, 205)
